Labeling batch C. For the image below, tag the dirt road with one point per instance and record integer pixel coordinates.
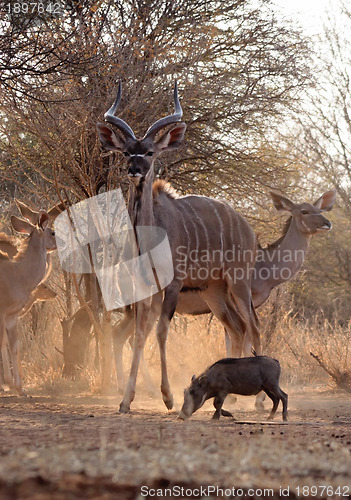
(80, 447)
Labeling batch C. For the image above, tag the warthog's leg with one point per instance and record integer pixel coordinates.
(218, 403)
(284, 399)
(226, 413)
(275, 398)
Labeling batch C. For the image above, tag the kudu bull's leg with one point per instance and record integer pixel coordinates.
(142, 313)
(121, 332)
(153, 315)
(228, 343)
(225, 310)
(256, 343)
(242, 293)
(243, 300)
(167, 311)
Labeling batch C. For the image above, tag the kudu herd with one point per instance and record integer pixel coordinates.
(229, 287)
(279, 262)
(232, 288)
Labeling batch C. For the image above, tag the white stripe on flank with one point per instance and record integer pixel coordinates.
(229, 211)
(203, 225)
(188, 241)
(194, 225)
(220, 225)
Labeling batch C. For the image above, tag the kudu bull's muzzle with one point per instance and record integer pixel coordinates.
(135, 176)
(135, 170)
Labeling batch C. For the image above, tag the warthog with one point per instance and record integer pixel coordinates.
(245, 376)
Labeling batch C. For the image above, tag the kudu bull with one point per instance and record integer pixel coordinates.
(277, 263)
(223, 284)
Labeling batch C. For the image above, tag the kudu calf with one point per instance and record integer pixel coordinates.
(217, 264)
(19, 278)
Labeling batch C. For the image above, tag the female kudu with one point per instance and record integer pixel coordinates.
(19, 278)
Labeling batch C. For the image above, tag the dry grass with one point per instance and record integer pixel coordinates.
(294, 338)
(193, 345)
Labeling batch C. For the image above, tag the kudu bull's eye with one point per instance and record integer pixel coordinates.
(126, 154)
(150, 153)
(304, 212)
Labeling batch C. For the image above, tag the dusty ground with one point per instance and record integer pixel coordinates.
(80, 447)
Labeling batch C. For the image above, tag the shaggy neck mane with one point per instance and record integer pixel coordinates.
(144, 199)
(163, 187)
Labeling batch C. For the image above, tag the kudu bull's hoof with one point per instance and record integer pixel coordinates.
(168, 401)
(22, 393)
(124, 408)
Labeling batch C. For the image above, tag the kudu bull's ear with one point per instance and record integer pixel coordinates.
(281, 203)
(326, 201)
(21, 226)
(110, 141)
(43, 219)
(172, 139)
(26, 212)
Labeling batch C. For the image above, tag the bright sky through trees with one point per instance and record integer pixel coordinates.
(310, 14)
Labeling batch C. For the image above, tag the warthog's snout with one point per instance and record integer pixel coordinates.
(182, 415)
